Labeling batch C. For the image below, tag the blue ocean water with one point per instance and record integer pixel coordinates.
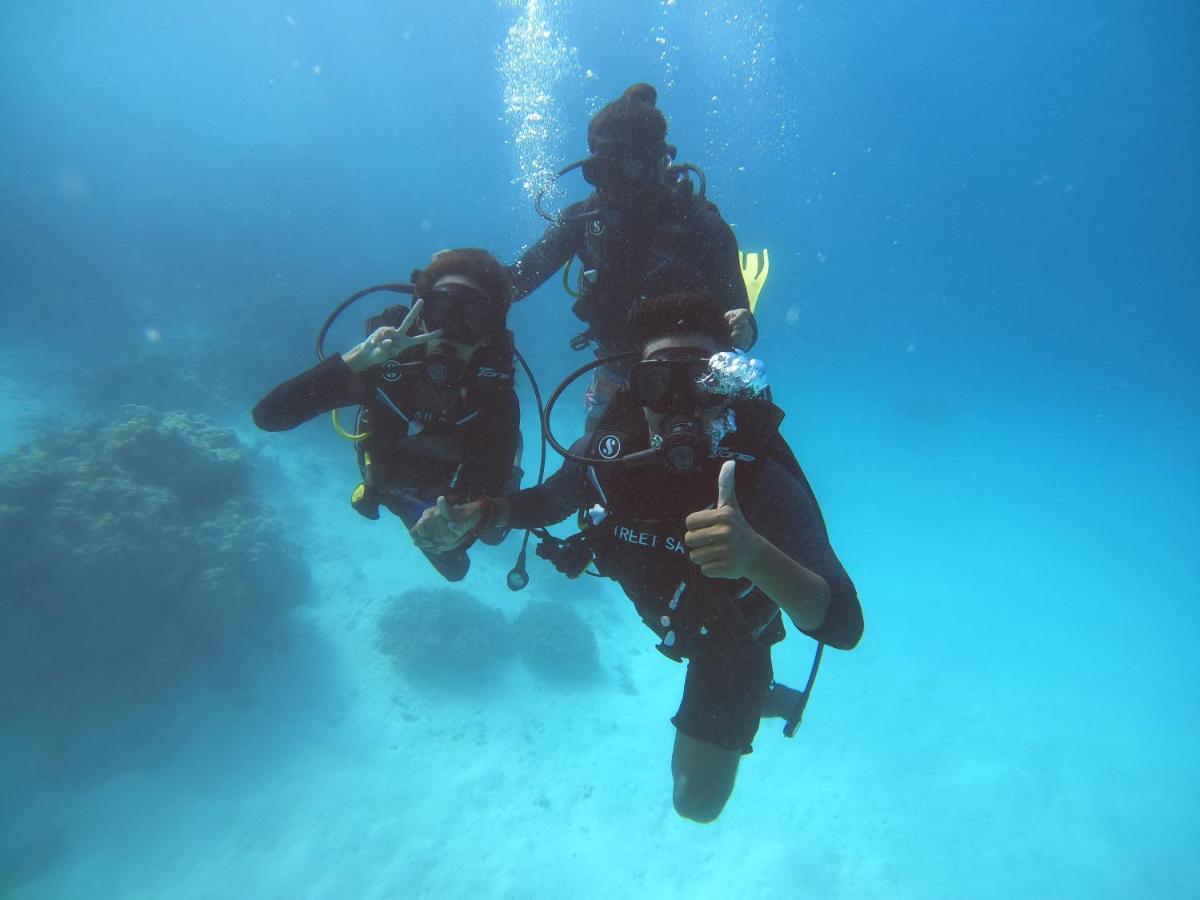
(982, 321)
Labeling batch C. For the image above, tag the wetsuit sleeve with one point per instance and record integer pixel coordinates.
(725, 266)
(490, 448)
(726, 273)
(780, 509)
(551, 252)
(553, 500)
(330, 385)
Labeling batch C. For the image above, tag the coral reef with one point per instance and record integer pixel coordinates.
(136, 555)
(444, 636)
(556, 644)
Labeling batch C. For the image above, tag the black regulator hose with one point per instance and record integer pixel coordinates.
(341, 308)
(568, 381)
(537, 200)
(793, 720)
(518, 577)
(672, 171)
(683, 168)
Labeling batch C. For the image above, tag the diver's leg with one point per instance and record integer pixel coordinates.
(703, 776)
(452, 565)
(723, 698)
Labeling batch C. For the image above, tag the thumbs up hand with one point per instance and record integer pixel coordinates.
(721, 541)
(443, 527)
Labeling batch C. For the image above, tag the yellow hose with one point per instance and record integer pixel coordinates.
(567, 279)
(337, 426)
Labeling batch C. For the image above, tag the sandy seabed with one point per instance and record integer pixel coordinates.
(997, 733)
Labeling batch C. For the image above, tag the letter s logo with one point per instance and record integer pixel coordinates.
(609, 446)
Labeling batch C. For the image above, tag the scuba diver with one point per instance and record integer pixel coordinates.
(644, 231)
(438, 412)
(712, 556)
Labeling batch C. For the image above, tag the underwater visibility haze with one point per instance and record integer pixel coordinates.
(981, 319)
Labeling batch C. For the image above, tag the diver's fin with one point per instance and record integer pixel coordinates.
(781, 701)
(785, 703)
(755, 267)
(364, 503)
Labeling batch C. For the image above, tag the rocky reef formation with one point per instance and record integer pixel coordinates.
(444, 636)
(136, 556)
(556, 644)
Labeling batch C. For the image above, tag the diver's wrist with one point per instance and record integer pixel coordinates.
(488, 512)
(356, 358)
(758, 555)
(501, 512)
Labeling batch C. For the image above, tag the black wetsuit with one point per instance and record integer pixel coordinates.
(680, 243)
(460, 440)
(724, 628)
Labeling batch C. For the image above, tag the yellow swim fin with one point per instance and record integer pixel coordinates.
(754, 273)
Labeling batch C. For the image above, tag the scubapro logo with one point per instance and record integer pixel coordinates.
(609, 446)
(391, 370)
(596, 226)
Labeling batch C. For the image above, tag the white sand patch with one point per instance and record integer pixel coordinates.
(958, 752)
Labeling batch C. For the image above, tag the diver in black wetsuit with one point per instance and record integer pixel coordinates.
(709, 563)
(435, 383)
(643, 232)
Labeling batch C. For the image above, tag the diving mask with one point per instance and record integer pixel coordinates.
(620, 173)
(462, 315)
(684, 380)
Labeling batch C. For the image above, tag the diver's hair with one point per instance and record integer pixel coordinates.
(667, 315)
(470, 262)
(632, 117)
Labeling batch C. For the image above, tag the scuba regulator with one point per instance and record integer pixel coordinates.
(599, 171)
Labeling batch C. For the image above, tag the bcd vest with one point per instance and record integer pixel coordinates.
(636, 535)
(627, 263)
(402, 403)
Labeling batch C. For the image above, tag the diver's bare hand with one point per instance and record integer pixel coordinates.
(741, 328)
(385, 342)
(443, 527)
(720, 541)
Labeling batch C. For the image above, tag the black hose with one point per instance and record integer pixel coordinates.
(691, 167)
(793, 722)
(518, 578)
(548, 435)
(341, 308)
(537, 200)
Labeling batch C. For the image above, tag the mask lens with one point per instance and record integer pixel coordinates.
(464, 319)
(435, 315)
(631, 169)
(697, 374)
(623, 170)
(650, 383)
(669, 385)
